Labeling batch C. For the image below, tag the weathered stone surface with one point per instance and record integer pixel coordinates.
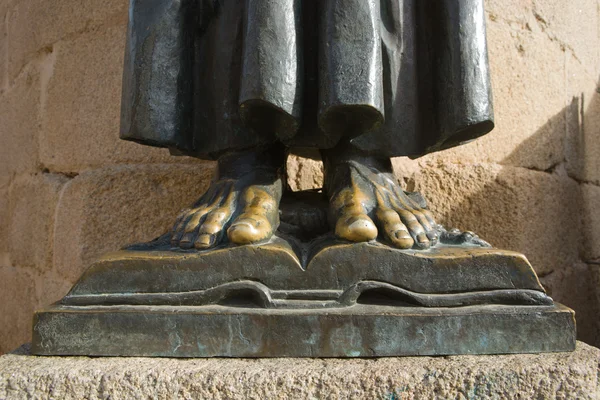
(22, 291)
(32, 205)
(531, 212)
(591, 222)
(563, 21)
(5, 6)
(83, 103)
(594, 285)
(577, 287)
(583, 128)
(35, 25)
(17, 292)
(548, 86)
(102, 210)
(516, 11)
(304, 173)
(544, 376)
(3, 50)
(4, 216)
(20, 114)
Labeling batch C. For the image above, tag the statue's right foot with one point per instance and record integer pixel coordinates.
(242, 205)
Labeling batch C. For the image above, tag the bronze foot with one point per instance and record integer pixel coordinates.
(243, 202)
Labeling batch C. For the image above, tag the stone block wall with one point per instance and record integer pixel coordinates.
(70, 190)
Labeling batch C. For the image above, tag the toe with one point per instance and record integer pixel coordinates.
(415, 229)
(430, 230)
(205, 241)
(429, 216)
(178, 227)
(259, 218)
(187, 240)
(189, 233)
(412, 204)
(423, 241)
(356, 228)
(393, 230)
(433, 237)
(349, 208)
(398, 236)
(195, 220)
(401, 238)
(249, 228)
(211, 230)
(424, 220)
(419, 221)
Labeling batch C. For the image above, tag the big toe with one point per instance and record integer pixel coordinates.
(246, 230)
(356, 228)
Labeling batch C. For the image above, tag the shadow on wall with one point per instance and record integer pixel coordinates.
(551, 216)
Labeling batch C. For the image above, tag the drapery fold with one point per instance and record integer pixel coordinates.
(396, 77)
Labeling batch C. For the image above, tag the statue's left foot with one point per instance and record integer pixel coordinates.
(367, 202)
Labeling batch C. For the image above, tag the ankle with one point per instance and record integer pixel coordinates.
(260, 161)
(345, 153)
(336, 163)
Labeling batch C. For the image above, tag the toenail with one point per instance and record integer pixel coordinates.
(402, 235)
(422, 238)
(204, 240)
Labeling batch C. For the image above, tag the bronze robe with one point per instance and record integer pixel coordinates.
(396, 77)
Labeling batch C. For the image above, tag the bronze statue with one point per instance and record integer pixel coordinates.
(359, 80)
(254, 270)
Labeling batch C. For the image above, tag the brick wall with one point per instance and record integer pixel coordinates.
(70, 190)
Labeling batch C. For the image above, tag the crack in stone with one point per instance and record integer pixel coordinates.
(68, 175)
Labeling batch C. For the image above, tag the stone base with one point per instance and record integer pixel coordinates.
(535, 376)
(362, 330)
